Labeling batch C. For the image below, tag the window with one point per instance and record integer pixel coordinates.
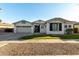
(55, 27)
(60, 26)
(69, 26)
(51, 27)
(65, 26)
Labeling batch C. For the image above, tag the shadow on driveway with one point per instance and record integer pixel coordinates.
(11, 36)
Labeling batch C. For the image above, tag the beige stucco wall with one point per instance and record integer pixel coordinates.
(76, 26)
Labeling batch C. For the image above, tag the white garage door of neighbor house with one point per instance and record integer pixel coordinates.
(26, 29)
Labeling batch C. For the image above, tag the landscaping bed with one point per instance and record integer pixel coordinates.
(23, 49)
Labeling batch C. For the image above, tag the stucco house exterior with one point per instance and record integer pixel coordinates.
(76, 27)
(51, 26)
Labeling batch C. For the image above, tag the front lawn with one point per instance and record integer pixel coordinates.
(75, 36)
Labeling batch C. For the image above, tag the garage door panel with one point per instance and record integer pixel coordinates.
(23, 29)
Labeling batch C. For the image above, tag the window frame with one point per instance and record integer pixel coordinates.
(55, 27)
(70, 26)
(65, 26)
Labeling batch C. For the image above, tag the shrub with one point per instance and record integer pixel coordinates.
(69, 31)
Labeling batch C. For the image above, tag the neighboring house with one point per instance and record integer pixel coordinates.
(5, 27)
(52, 26)
(76, 28)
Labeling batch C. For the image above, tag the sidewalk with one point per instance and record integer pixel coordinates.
(42, 41)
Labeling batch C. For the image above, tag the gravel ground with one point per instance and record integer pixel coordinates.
(23, 49)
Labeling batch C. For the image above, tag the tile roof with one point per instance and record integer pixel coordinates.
(39, 21)
(60, 19)
(21, 21)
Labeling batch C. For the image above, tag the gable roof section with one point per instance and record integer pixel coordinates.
(60, 19)
(42, 22)
(39, 21)
(21, 21)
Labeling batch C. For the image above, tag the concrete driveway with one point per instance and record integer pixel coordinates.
(11, 36)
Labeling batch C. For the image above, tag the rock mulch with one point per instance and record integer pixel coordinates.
(26, 49)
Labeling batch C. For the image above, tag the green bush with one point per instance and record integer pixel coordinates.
(69, 31)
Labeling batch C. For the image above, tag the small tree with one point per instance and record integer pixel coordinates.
(69, 31)
(0, 20)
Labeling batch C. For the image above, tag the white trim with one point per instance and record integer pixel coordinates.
(14, 29)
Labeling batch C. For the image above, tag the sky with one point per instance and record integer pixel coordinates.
(13, 12)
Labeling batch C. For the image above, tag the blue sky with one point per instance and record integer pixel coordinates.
(12, 12)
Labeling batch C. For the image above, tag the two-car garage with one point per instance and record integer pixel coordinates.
(23, 29)
(23, 26)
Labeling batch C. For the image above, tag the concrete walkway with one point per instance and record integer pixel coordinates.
(41, 41)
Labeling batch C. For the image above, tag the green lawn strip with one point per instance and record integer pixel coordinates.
(45, 37)
(70, 37)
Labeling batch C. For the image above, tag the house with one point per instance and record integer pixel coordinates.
(51, 26)
(76, 27)
(5, 27)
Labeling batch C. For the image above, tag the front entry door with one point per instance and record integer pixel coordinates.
(37, 29)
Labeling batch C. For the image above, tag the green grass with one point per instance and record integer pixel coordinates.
(50, 37)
